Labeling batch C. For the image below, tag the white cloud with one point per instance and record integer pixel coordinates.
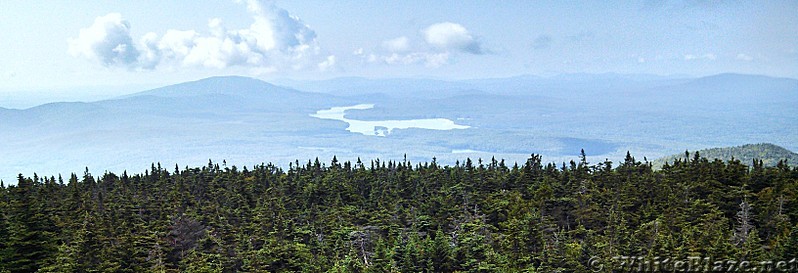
(744, 57)
(400, 44)
(440, 43)
(106, 41)
(274, 40)
(451, 36)
(327, 64)
(429, 59)
(358, 52)
(150, 54)
(176, 44)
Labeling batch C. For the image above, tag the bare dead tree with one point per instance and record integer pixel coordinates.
(744, 225)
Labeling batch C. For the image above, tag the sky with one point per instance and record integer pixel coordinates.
(47, 46)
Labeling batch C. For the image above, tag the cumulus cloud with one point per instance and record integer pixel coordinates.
(327, 63)
(430, 59)
(106, 41)
(451, 36)
(437, 44)
(275, 39)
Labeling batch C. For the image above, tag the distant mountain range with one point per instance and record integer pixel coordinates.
(248, 121)
(770, 155)
(535, 85)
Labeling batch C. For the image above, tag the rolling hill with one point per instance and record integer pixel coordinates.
(770, 154)
(248, 121)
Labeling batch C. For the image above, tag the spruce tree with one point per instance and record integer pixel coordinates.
(30, 239)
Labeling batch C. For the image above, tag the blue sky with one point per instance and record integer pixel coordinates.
(69, 44)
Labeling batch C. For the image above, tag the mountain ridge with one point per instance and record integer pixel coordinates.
(726, 81)
(769, 153)
(238, 118)
(217, 85)
(439, 88)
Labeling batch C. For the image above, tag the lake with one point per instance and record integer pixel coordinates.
(383, 127)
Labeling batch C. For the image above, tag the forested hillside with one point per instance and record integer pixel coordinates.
(770, 154)
(397, 217)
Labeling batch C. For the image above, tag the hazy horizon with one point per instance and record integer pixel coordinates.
(24, 99)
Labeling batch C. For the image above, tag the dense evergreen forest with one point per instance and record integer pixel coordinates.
(398, 216)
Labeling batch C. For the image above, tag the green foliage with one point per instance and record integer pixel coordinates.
(397, 217)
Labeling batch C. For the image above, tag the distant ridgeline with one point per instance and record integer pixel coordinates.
(769, 154)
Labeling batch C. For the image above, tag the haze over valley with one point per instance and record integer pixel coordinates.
(246, 121)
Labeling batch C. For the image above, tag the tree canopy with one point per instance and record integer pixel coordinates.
(379, 216)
